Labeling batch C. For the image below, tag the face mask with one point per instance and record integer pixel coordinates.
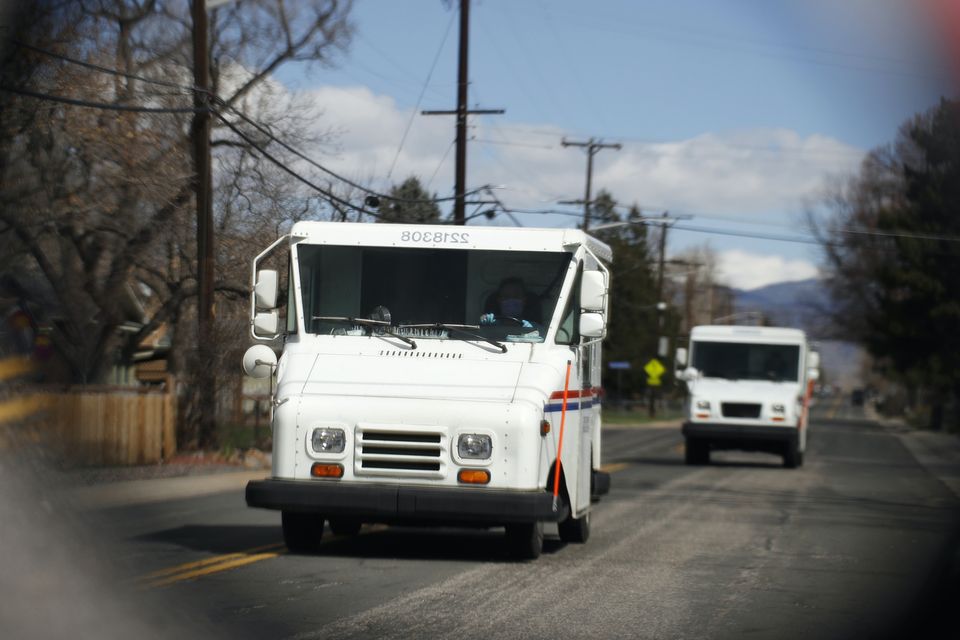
(511, 307)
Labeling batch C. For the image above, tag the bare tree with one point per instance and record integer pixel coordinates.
(98, 203)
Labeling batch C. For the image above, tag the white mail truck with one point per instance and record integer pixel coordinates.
(749, 389)
(432, 375)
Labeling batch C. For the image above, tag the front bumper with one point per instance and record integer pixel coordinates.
(747, 437)
(399, 503)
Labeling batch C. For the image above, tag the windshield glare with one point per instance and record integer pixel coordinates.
(511, 295)
(776, 362)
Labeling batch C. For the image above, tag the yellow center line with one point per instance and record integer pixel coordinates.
(217, 568)
(226, 562)
(613, 467)
(187, 566)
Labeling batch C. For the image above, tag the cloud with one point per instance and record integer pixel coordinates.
(755, 173)
(744, 270)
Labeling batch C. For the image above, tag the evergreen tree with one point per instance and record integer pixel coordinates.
(632, 329)
(410, 203)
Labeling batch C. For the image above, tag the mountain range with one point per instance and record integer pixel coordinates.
(805, 304)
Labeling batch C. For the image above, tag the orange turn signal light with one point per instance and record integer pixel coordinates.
(544, 427)
(474, 476)
(321, 470)
(778, 418)
(703, 415)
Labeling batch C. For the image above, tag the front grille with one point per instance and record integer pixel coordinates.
(400, 451)
(740, 410)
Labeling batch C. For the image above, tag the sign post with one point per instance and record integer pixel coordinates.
(654, 370)
(619, 366)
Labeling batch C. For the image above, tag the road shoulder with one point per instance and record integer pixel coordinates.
(131, 492)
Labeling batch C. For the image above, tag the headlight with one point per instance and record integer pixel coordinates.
(703, 405)
(474, 445)
(778, 408)
(328, 440)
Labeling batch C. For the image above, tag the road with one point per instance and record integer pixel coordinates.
(859, 543)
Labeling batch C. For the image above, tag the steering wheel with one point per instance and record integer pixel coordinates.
(515, 321)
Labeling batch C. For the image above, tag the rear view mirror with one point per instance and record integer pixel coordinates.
(266, 324)
(591, 325)
(681, 358)
(259, 360)
(813, 374)
(593, 291)
(265, 291)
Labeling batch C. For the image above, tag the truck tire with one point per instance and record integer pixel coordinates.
(525, 540)
(345, 526)
(302, 532)
(576, 530)
(696, 452)
(792, 458)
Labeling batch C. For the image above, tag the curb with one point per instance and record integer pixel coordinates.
(135, 492)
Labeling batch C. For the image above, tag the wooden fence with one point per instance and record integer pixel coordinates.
(111, 425)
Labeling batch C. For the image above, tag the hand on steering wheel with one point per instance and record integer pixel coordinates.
(494, 318)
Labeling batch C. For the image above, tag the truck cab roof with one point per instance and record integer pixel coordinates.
(448, 237)
(736, 333)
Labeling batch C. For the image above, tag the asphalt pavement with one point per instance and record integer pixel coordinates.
(861, 542)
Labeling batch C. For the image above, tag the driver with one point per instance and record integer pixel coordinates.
(512, 301)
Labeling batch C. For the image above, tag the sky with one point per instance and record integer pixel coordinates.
(734, 115)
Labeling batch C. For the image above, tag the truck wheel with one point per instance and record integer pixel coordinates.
(792, 456)
(345, 526)
(302, 531)
(525, 540)
(575, 530)
(696, 452)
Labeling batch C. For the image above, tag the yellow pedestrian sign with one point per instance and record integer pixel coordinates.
(654, 370)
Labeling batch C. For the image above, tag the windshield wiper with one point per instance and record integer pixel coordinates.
(369, 324)
(464, 329)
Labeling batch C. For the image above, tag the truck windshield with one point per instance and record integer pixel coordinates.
(509, 295)
(745, 361)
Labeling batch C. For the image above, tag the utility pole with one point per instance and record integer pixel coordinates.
(200, 134)
(463, 82)
(593, 147)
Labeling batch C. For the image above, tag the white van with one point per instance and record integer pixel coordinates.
(433, 375)
(750, 389)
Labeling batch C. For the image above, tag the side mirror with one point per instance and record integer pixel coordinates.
(813, 374)
(593, 291)
(259, 361)
(266, 324)
(813, 360)
(265, 291)
(681, 358)
(591, 325)
(688, 374)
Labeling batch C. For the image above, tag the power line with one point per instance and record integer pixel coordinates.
(102, 69)
(99, 105)
(751, 48)
(440, 164)
(593, 147)
(708, 145)
(263, 152)
(426, 83)
(507, 143)
(356, 185)
(238, 112)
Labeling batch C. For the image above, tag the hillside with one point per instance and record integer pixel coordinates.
(803, 304)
